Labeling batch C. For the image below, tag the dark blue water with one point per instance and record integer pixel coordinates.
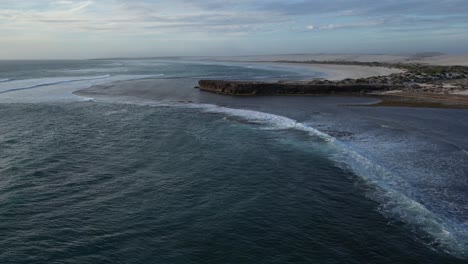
(124, 184)
(151, 182)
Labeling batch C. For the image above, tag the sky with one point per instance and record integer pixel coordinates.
(54, 29)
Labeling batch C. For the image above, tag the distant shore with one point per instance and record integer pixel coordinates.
(394, 83)
(399, 84)
(430, 58)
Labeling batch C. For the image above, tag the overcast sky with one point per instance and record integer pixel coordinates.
(110, 28)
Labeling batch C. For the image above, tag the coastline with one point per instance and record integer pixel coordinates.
(343, 80)
(395, 84)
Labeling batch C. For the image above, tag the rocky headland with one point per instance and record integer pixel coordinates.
(415, 81)
(290, 88)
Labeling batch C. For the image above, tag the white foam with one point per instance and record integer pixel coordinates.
(445, 234)
(4, 80)
(94, 70)
(271, 121)
(58, 89)
(109, 113)
(33, 83)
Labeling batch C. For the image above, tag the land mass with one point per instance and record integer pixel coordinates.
(437, 84)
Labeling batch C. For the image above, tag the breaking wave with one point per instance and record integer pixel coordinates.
(384, 186)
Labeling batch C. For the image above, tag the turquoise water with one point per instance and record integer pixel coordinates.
(221, 180)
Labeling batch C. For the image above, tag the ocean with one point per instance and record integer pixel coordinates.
(140, 167)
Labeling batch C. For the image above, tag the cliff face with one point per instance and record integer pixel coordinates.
(292, 88)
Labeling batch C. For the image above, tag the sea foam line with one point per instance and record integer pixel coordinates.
(446, 235)
(41, 84)
(27, 84)
(272, 121)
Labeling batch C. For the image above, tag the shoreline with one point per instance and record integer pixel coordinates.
(412, 85)
(341, 72)
(451, 101)
(142, 90)
(342, 80)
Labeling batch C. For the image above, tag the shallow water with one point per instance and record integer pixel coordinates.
(140, 175)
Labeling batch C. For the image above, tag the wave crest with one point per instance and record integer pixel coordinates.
(387, 188)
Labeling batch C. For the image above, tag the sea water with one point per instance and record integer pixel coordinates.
(149, 170)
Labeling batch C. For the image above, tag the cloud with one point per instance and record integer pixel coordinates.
(130, 16)
(79, 7)
(244, 16)
(368, 7)
(63, 2)
(251, 21)
(359, 24)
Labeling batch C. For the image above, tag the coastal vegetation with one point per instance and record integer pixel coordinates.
(417, 78)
